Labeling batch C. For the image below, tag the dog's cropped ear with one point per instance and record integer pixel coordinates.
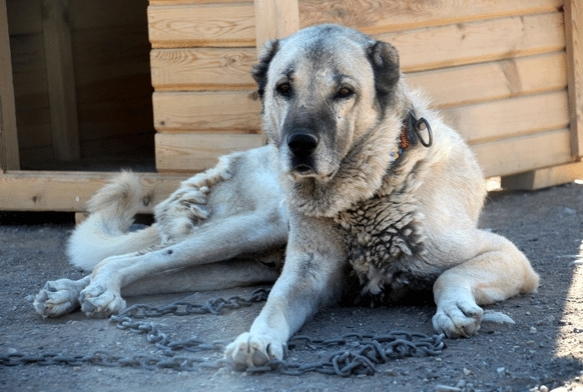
(384, 59)
(260, 70)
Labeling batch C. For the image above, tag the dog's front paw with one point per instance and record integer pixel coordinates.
(98, 302)
(58, 297)
(458, 318)
(250, 350)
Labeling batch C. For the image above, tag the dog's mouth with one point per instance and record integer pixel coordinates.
(303, 171)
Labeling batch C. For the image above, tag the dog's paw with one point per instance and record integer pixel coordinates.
(250, 350)
(58, 297)
(98, 302)
(458, 318)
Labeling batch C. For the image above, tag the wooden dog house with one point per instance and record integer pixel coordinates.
(164, 87)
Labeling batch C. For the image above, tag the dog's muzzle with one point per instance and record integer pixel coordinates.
(302, 146)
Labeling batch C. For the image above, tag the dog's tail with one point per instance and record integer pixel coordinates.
(105, 231)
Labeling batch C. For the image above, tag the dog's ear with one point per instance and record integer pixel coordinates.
(260, 70)
(384, 59)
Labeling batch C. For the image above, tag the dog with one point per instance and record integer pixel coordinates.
(360, 189)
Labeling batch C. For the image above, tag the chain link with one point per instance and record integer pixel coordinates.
(360, 354)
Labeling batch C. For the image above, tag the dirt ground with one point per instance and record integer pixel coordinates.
(543, 351)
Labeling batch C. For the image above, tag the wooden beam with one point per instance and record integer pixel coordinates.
(505, 157)
(9, 159)
(544, 178)
(507, 118)
(191, 152)
(201, 25)
(61, 82)
(574, 42)
(275, 19)
(381, 16)
(69, 191)
(212, 111)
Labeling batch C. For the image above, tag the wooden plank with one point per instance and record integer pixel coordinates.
(378, 16)
(422, 49)
(187, 152)
(200, 69)
(191, 25)
(203, 69)
(69, 191)
(9, 159)
(475, 42)
(574, 38)
(235, 111)
(509, 117)
(279, 18)
(494, 80)
(510, 156)
(61, 83)
(543, 178)
(24, 17)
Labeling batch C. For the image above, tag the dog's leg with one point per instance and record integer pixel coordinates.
(215, 241)
(311, 277)
(494, 271)
(215, 276)
(59, 297)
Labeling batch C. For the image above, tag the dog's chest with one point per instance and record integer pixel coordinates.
(379, 233)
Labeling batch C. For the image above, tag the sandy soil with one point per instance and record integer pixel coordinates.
(541, 352)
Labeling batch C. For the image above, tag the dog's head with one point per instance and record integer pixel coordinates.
(323, 89)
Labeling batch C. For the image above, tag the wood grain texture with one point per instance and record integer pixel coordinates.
(234, 111)
(9, 157)
(493, 80)
(203, 69)
(61, 81)
(378, 16)
(275, 19)
(192, 25)
(543, 178)
(188, 152)
(520, 154)
(574, 38)
(509, 117)
(69, 191)
(476, 42)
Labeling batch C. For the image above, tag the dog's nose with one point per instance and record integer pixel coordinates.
(302, 145)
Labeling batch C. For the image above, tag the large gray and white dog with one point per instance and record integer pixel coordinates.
(370, 190)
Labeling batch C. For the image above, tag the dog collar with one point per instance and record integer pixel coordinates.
(411, 133)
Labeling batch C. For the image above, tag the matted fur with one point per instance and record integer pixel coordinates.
(328, 185)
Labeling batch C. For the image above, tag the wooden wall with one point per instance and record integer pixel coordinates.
(497, 70)
(82, 80)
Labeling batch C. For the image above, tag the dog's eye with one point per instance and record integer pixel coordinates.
(344, 92)
(284, 89)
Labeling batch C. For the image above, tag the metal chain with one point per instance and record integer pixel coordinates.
(360, 353)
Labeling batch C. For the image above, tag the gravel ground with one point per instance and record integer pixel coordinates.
(543, 351)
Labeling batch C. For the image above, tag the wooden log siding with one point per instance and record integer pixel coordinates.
(498, 72)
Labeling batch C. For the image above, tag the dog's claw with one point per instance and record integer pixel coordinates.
(96, 302)
(458, 318)
(59, 297)
(250, 350)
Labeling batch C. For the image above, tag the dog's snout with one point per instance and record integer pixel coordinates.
(302, 144)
